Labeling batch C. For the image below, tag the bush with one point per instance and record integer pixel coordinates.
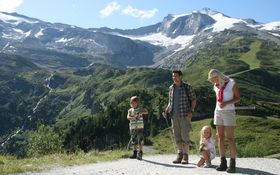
(43, 141)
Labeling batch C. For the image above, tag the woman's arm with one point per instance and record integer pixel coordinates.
(236, 97)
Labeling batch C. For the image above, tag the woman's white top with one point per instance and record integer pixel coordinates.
(227, 95)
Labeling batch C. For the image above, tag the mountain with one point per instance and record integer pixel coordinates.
(56, 45)
(59, 45)
(186, 34)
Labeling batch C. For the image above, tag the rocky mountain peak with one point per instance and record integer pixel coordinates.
(187, 24)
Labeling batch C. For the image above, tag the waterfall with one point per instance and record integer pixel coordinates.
(47, 84)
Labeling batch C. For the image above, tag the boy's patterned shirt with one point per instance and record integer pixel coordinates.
(137, 123)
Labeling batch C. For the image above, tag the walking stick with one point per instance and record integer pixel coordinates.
(171, 135)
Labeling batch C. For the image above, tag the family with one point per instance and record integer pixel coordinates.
(181, 105)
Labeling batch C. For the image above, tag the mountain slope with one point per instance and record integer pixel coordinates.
(60, 45)
(186, 34)
(22, 84)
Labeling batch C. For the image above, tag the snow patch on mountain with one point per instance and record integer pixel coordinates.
(27, 33)
(19, 31)
(224, 22)
(271, 26)
(64, 40)
(14, 20)
(161, 40)
(40, 33)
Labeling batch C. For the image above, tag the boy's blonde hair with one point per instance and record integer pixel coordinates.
(134, 99)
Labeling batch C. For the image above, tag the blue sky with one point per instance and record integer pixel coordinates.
(127, 14)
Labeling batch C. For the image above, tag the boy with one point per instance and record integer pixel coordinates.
(136, 126)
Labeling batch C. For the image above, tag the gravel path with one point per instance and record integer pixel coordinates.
(161, 165)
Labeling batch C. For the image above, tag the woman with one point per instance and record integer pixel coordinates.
(227, 94)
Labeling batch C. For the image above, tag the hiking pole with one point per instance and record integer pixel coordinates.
(171, 134)
(129, 144)
(240, 108)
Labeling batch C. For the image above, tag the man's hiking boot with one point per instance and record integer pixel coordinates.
(139, 155)
(134, 155)
(223, 165)
(179, 158)
(231, 168)
(185, 159)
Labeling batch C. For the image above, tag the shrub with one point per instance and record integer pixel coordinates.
(43, 141)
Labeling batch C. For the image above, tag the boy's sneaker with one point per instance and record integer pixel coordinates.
(139, 155)
(134, 155)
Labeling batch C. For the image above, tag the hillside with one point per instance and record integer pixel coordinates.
(249, 133)
(22, 85)
(252, 62)
(97, 96)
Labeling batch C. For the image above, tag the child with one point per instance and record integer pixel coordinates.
(206, 147)
(136, 126)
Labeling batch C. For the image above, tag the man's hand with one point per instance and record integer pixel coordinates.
(189, 116)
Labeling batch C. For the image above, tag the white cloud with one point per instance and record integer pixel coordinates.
(9, 5)
(139, 13)
(109, 9)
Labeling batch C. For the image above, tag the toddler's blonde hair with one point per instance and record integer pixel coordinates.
(203, 129)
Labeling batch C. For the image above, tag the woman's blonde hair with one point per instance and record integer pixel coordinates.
(204, 128)
(221, 77)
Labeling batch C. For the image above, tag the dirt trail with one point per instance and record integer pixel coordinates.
(161, 165)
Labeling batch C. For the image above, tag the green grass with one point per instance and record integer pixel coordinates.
(10, 164)
(255, 137)
(251, 56)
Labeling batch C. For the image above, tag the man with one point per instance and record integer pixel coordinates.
(182, 101)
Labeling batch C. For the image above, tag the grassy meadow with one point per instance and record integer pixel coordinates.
(10, 164)
(255, 137)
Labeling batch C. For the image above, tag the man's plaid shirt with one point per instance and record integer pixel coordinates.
(186, 96)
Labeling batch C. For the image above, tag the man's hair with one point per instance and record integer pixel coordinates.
(177, 72)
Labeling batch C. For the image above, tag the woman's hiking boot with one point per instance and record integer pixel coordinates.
(185, 159)
(139, 155)
(231, 168)
(223, 165)
(179, 158)
(134, 155)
